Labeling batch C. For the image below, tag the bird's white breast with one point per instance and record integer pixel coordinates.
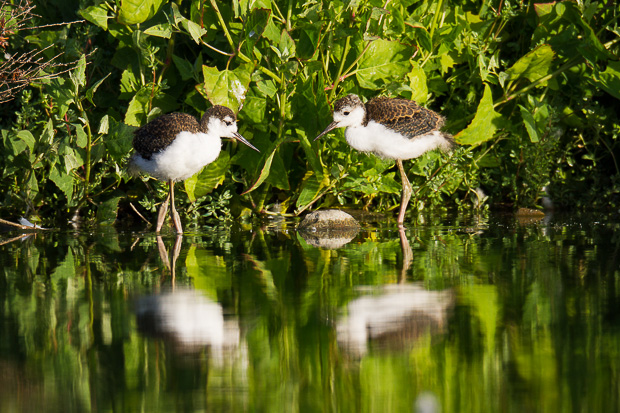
(384, 142)
(185, 157)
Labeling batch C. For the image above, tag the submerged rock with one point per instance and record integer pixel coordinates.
(330, 228)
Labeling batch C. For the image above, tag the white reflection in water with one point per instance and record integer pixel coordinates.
(189, 320)
(395, 316)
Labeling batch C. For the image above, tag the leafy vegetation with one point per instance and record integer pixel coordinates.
(530, 91)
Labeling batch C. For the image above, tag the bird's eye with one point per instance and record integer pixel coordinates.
(346, 113)
(228, 122)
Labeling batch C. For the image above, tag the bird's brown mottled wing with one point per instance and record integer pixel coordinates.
(158, 134)
(403, 116)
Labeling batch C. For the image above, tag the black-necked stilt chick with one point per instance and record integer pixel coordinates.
(390, 128)
(176, 146)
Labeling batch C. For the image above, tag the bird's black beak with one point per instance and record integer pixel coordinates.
(329, 127)
(244, 140)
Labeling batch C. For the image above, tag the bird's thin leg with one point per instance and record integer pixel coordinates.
(161, 216)
(176, 219)
(406, 193)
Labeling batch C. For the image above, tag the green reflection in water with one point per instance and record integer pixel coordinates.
(492, 316)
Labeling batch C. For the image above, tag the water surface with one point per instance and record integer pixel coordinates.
(461, 315)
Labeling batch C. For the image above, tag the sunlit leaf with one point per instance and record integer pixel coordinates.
(91, 90)
(64, 182)
(160, 30)
(485, 123)
(81, 138)
(209, 178)
(311, 187)
(27, 138)
(534, 65)
(530, 124)
(194, 30)
(384, 61)
(417, 82)
(255, 26)
(78, 75)
(226, 87)
(138, 11)
(97, 15)
(609, 80)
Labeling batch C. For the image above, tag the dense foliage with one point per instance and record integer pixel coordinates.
(530, 91)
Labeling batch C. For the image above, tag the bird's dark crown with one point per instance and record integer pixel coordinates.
(216, 111)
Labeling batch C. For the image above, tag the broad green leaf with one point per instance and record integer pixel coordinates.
(97, 15)
(104, 125)
(194, 30)
(609, 80)
(286, 46)
(138, 11)
(26, 136)
(160, 30)
(254, 27)
(72, 159)
(47, 136)
(33, 184)
(78, 75)
(534, 65)
(62, 95)
(81, 138)
(530, 124)
(421, 35)
(264, 172)
(226, 87)
(417, 83)
(91, 90)
(485, 123)
(118, 140)
(185, 68)
(311, 187)
(209, 178)
(384, 61)
(278, 175)
(138, 107)
(107, 210)
(64, 182)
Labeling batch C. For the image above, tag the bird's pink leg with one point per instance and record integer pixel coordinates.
(176, 219)
(161, 216)
(407, 190)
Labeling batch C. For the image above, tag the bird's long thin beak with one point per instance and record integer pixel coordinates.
(329, 127)
(244, 140)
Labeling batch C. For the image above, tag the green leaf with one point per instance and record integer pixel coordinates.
(254, 27)
(138, 11)
(226, 87)
(383, 62)
(311, 187)
(97, 15)
(609, 80)
(278, 175)
(62, 95)
(118, 140)
(185, 68)
(209, 178)
(64, 182)
(104, 125)
(78, 75)
(160, 30)
(91, 91)
(194, 30)
(81, 138)
(107, 210)
(421, 35)
(138, 107)
(417, 83)
(530, 124)
(264, 172)
(485, 123)
(534, 65)
(26, 136)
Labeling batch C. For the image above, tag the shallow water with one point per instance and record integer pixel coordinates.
(466, 315)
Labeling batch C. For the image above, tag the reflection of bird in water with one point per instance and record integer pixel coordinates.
(394, 316)
(176, 146)
(187, 319)
(390, 128)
